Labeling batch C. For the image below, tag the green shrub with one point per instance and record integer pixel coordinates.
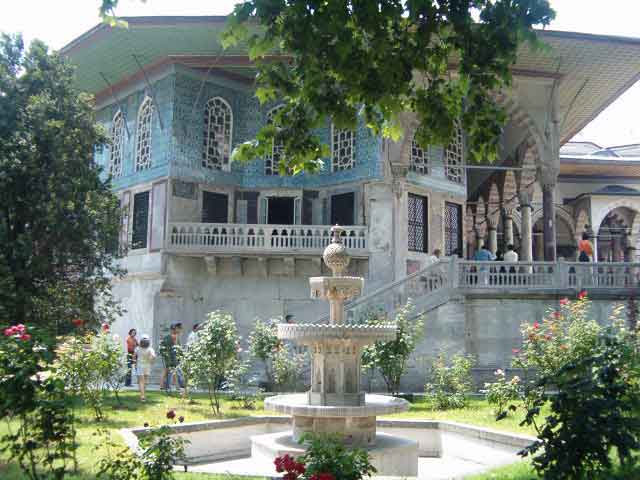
(33, 401)
(594, 413)
(288, 369)
(89, 365)
(264, 344)
(214, 356)
(450, 383)
(501, 392)
(391, 358)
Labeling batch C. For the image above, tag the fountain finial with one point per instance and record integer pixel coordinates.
(335, 255)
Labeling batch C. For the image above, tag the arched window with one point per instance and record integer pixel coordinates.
(454, 158)
(218, 123)
(143, 141)
(117, 144)
(272, 161)
(420, 158)
(342, 149)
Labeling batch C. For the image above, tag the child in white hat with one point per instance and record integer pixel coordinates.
(145, 355)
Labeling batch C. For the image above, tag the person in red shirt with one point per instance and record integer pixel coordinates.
(132, 343)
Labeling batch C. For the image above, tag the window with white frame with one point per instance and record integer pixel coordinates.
(272, 161)
(342, 149)
(117, 144)
(143, 135)
(454, 158)
(420, 158)
(218, 124)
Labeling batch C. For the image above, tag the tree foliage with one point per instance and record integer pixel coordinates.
(58, 218)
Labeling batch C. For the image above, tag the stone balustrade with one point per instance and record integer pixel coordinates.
(437, 283)
(203, 238)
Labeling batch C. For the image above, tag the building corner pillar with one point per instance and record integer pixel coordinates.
(548, 212)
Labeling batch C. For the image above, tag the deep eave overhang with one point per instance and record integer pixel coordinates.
(590, 71)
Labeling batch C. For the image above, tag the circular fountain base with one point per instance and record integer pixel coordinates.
(391, 455)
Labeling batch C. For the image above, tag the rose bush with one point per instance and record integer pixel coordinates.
(326, 458)
(41, 436)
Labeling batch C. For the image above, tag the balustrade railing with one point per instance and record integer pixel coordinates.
(434, 285)
(231, 237)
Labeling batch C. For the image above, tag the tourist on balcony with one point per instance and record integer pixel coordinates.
(511, 257)
(483, 255)
(434, 257)
(144, 358)
(585, 247)
(132, 344)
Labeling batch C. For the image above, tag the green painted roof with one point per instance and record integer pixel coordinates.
(110, 51)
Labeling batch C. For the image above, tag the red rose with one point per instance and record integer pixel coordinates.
(290, 476)
(326, 476)
(582, 295)
(288, 463)
(314, 477)
(547, 336)
(181, 419)
(8, 332)
(77, 322)
(556, 315)
(536, 325)
(20, 328)
(278, 463)
(25, 337)
(299, 468)
(171, 414)
(515, 351)
(564, 301)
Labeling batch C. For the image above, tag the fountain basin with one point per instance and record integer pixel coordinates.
(297, 405)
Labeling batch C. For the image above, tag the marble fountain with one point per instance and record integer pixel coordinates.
(335, 403)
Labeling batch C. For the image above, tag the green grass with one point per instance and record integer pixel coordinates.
(477, 412)
(135, 413)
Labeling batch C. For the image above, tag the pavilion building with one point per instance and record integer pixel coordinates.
(201, 232)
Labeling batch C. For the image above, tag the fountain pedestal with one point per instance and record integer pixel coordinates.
(335, 403)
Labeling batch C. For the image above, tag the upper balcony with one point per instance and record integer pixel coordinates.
(194, 238)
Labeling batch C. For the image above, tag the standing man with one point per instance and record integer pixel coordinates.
(169, 352)
(511, 256)
(132, 343)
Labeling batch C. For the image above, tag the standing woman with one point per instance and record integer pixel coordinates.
(132, 343)
(145, 355)
(585, 247)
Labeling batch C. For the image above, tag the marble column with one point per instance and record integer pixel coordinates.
(549, 219)
(493, 239)
(508, 229)
(526, 244)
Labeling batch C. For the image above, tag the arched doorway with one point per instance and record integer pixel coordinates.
(566, 247)
(613, 237)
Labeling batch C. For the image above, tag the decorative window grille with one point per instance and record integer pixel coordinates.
(419, 158)
(342, 149)
(218, 124)
(454, 158)
(417, 234)
(140, 220)
(272, 161)
(452, 228)
(117, 144)
(143, 142)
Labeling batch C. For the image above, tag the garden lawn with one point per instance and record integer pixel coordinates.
(477, 412)
(135, 413)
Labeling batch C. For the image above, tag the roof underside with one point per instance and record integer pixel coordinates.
(592, 70)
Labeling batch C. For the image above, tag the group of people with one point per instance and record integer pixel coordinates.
(141, 357)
